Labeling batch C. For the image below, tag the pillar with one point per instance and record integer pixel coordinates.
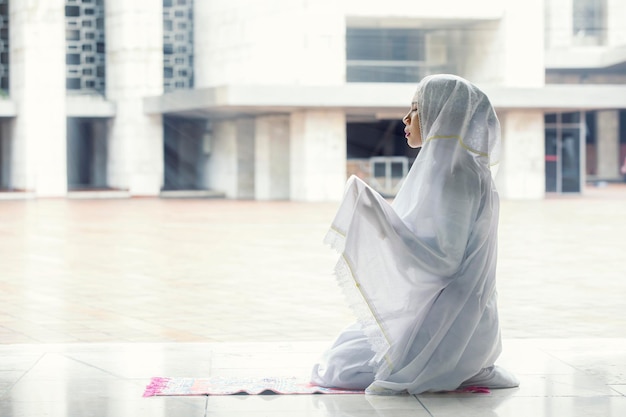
(37, 86)
(317, 155)
(134, 45)
(231, 165)
(607, 145)
(521, 174)
(272, 158)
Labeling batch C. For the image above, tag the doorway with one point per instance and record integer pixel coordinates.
(87, 153)
(564, 141)
(185, 153)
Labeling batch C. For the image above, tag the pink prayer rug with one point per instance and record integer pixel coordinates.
(235, 385)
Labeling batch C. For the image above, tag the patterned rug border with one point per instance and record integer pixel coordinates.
(185, 386)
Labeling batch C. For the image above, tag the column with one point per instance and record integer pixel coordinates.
(134, 45)
(231, 165)
(607, 145)
(37, 86)
(521, 172)
(221, 169)
(272, 158)
(245, 158)
(318, 155)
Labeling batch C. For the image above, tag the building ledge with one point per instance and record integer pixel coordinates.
(97, 194)
(7, 108)
(184, 194)
(89, 106)
(369, 99)
(16, 195)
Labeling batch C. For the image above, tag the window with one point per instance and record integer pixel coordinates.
(177, 44)
(589, 22)
(85, 48)
(4, 45)
(385, 55)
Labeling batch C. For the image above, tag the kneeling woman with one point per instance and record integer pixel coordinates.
(420, 273)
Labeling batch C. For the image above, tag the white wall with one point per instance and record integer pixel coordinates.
(268, 42)
(318, 155)
(37, 86)
(616, 14)
(521, 174)
(607, 145)
(134, 45)
(559, 24)
(423, 9)
(222, 165)
(507, 52)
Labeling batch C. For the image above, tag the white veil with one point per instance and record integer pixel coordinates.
(420, 273)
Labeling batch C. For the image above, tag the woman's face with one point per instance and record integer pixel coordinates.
(412, 131)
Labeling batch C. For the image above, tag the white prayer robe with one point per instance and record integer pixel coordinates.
(420, 273)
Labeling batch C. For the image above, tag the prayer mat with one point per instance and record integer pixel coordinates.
(235, 385)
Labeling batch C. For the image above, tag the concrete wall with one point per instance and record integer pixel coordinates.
(521, 174)
(268, 42)
(222, 163)
(37, 86)
(134, 45)
(607, 145)
(423, 9)
(559, 23)
(504, 52)
(318, 155)
(616, 36)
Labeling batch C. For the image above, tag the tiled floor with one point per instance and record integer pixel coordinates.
(96, 297)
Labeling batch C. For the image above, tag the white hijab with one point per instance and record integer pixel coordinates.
(420, 273)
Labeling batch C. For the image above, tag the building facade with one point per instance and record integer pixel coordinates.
(282, 99)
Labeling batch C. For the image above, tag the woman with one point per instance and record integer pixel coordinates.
(420, 273)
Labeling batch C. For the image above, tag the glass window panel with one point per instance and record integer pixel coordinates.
(72, 83)
(72, 11)
(380, 169)
(397, 170)
(570, 157)
(72, 35)
(570, 117)
(72, 59)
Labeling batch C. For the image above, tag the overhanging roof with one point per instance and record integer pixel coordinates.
(369, 99)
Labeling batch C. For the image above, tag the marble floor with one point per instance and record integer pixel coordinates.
(97, 297)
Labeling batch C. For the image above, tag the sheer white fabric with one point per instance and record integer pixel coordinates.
(420, 273)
